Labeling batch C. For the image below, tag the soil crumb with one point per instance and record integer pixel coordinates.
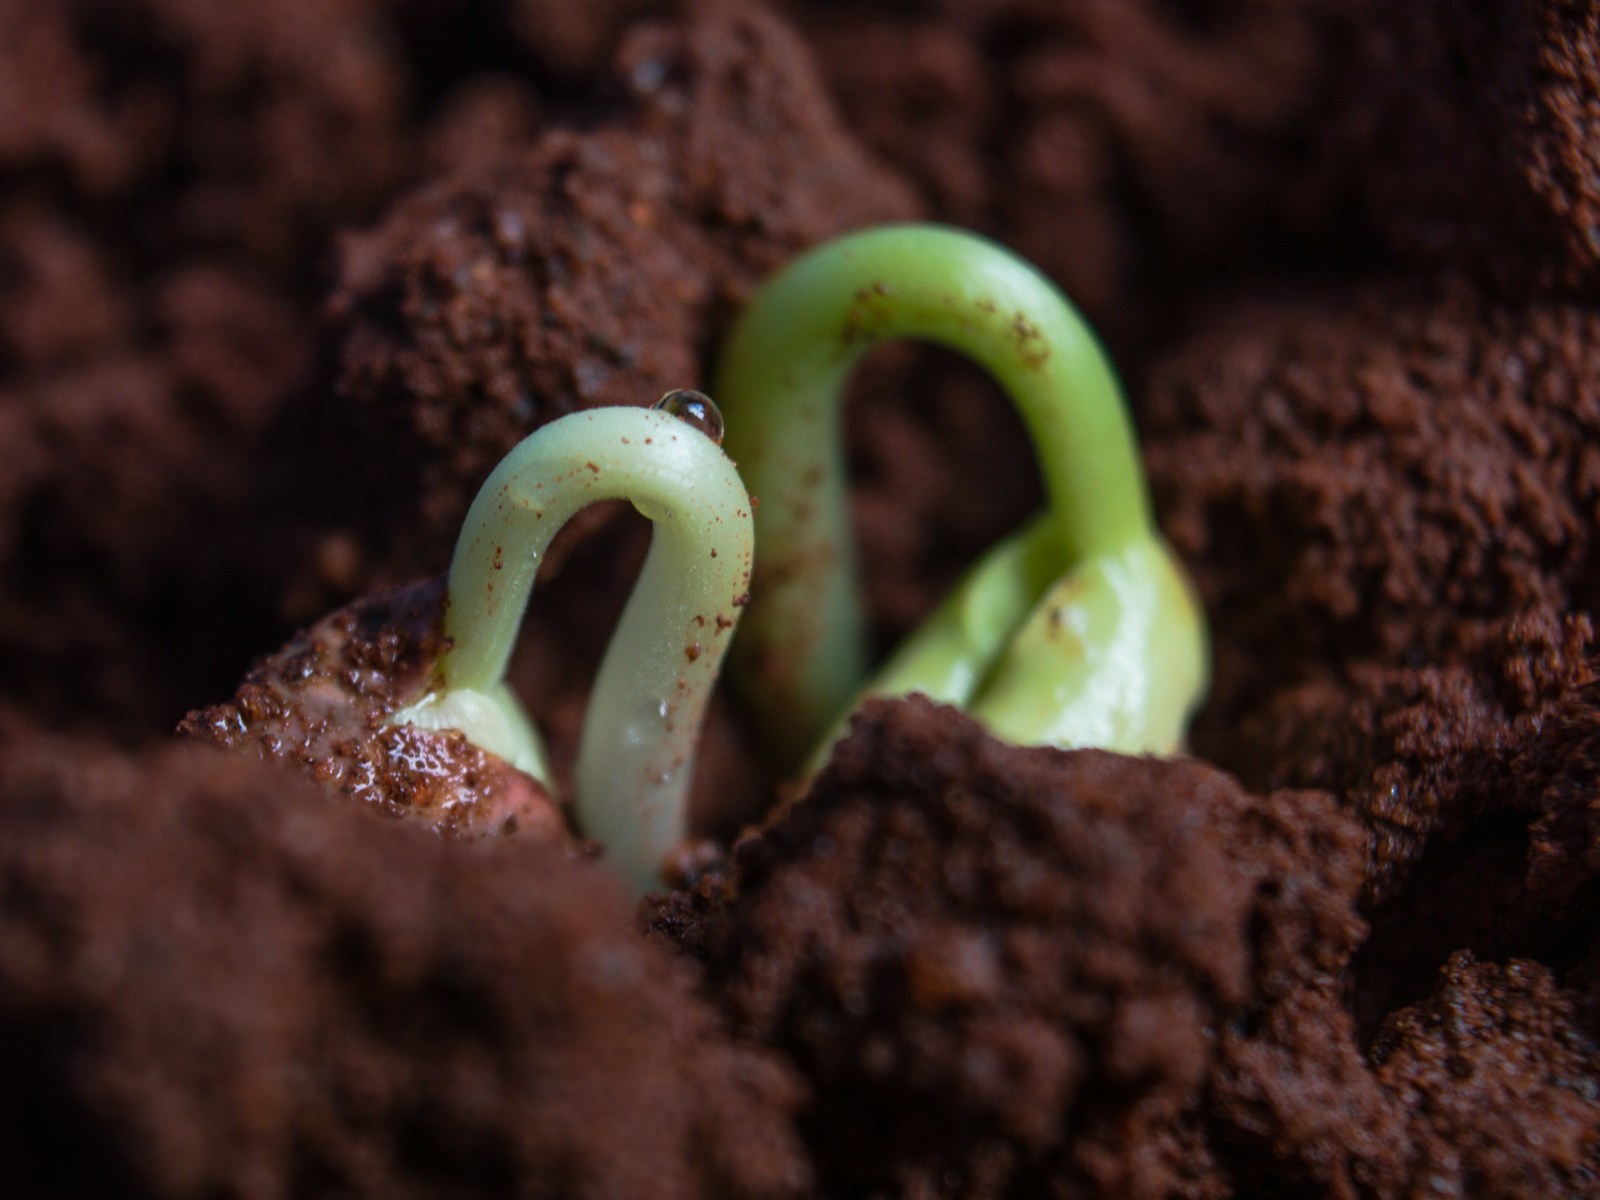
(324, 705)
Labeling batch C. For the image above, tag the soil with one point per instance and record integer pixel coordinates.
(215, 982)
(281, 280)
(322, 705)
(1489, 121)
(968, 947)
(1424, 569)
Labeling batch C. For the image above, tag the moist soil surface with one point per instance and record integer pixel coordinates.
(282, 280)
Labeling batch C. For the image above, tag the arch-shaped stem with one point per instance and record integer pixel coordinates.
(636, 755)
(780, 382)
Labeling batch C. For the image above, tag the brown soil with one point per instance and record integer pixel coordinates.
(1390, 499)
(281, 280)
(213, 982)
(1487, 122)
(168, 174)
(322, 705)
(1390, 502)
(1126, 146)
(969, 948)
(586, 269)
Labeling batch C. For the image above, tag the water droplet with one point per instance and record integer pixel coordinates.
(695, 409)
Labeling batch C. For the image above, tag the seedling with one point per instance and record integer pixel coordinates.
(636, 752)
(1079, 630)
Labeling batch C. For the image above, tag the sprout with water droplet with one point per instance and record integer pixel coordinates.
(636, 753)
(1081, 629)
(694, 409)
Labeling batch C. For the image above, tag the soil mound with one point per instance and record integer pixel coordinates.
(214, 980)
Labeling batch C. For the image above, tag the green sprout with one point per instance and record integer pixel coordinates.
(1081, 629)
(636, 752)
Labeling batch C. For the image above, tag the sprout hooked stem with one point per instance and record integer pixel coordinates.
(636, 754)
(781, 380)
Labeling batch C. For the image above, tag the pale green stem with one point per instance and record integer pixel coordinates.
(780, 384)
(636, 756)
